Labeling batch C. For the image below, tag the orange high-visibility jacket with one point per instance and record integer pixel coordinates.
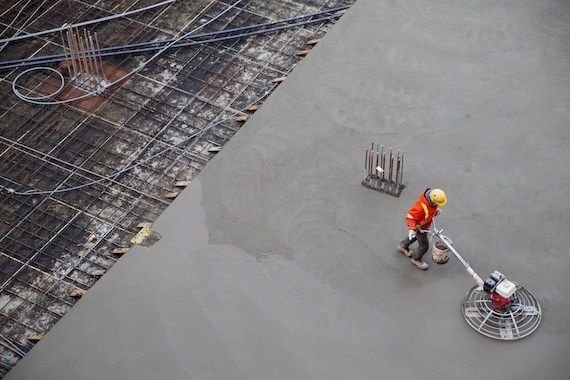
(421, 213)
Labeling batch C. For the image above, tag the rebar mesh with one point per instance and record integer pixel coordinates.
(52, 244)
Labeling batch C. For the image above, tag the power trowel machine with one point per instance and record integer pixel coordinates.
(496, 307)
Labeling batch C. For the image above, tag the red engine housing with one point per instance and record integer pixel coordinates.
(499, 301)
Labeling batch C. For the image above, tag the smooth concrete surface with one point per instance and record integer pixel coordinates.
(277, 264)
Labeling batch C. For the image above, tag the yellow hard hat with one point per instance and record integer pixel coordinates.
(438, 197)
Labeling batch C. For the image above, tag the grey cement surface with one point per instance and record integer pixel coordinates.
(278, 264)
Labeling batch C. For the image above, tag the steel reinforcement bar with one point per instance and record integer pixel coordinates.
(200, 39)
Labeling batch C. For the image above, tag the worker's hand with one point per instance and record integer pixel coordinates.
(411, 234)
(439, 211)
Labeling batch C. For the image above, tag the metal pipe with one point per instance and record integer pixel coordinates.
(94, 62)
(73, 51)
(383, 165)
(373, 167)
(65, 51)
(377, 163)
(101, 89)
(77, 49)
(67, 46)
(366, 162)
(159, 44)
(73, 54)
(370, 158)
(370, 168)
(78, 52)
(85, 39)
(152, 46)
(84, 67)
(88, 56)
(107, 18)
(402, 170)
(97, 49)
(372, 161)
(392, 168)
(398, 172)
(391, 165)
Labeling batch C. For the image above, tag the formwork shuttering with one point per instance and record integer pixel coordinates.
(54, 243)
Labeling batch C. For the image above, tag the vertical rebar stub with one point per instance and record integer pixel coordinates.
(82, 50)
(384, 169)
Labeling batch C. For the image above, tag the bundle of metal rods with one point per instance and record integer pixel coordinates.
(81, 53)
(384, 172)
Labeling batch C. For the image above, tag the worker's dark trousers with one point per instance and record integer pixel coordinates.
(423, 244)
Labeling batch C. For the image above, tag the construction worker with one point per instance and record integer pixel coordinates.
(419, 219)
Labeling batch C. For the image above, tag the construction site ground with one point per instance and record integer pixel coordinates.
(277, 264)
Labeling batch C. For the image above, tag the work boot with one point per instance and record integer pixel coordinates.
(404, 250)
(420, 264)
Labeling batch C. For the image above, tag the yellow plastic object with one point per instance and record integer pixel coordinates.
(438, 197)
(141, 235)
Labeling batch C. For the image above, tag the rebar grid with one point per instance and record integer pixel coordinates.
(52, 244)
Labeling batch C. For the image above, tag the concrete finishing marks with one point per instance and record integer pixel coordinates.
(278, 264)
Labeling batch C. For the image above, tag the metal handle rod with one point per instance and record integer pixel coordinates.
(472, 273)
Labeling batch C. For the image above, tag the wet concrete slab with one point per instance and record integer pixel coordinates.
(277, 264)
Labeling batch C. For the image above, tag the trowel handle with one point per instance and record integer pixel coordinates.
(476, 277)
(470, 270)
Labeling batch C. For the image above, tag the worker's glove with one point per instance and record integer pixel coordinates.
(411, 234)
(439, 211)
